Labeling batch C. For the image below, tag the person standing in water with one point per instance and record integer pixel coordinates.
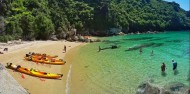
(163, 67)
(99, 49)
(174, 65)
(152, 53)
(140, 50)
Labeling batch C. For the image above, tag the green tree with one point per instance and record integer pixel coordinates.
(44, 27)
(27, 25)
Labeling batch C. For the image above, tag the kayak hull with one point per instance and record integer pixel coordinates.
(34, 72)
(49, 61)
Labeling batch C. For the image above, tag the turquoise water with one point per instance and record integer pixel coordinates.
(119, 71)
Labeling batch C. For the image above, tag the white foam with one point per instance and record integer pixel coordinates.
(68, 80)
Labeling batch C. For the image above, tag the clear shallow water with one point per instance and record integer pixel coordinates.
(118, 71)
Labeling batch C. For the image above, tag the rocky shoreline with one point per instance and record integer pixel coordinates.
(171, 88)
(8, 84)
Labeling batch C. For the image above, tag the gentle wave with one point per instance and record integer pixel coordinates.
(68, 80)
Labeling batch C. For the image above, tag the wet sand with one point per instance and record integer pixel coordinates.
(35, 85)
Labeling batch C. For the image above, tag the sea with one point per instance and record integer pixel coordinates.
(123, 69)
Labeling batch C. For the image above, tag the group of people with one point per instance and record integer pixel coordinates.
(151, 54)
(163, 66)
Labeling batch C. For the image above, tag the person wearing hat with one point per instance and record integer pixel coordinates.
(174, 64)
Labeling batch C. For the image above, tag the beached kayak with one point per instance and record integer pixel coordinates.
(46, 61)
(34, 72)
(41, 55)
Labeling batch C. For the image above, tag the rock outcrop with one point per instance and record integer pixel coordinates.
(171, 88)
(8, 85)
(54, 38)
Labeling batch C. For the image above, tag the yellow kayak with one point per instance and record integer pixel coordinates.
(46, 61)
(34, 72)
(41, 55)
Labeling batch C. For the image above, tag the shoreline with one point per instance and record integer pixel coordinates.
(69, 57)
(33, 84)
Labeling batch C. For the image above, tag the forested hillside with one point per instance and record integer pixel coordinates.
(40, 19)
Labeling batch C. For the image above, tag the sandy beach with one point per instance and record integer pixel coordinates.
(35, 85)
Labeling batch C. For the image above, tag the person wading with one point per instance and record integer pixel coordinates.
(163, 67)
(140, 50)
(174, 65)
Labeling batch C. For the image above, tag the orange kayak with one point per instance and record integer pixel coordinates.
(46, 56)
(43, 55)
(46, 61)
(34, 72)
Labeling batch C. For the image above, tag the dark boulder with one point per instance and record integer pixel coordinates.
(75, 38)
(114, 46)
(54, 38)
(147, 88)
(178, 88)
(171, 88)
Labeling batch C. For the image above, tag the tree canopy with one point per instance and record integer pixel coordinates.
(40, 19)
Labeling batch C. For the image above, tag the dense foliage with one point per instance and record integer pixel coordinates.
(40, 19)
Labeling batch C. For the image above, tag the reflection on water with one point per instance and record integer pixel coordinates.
(158, 39)
(176, 72)
(158, 44)
(188, 76)
(144, 45)
(135, 39)
(175, 41)
(164, 74)
(186, 52)
(112, 42)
